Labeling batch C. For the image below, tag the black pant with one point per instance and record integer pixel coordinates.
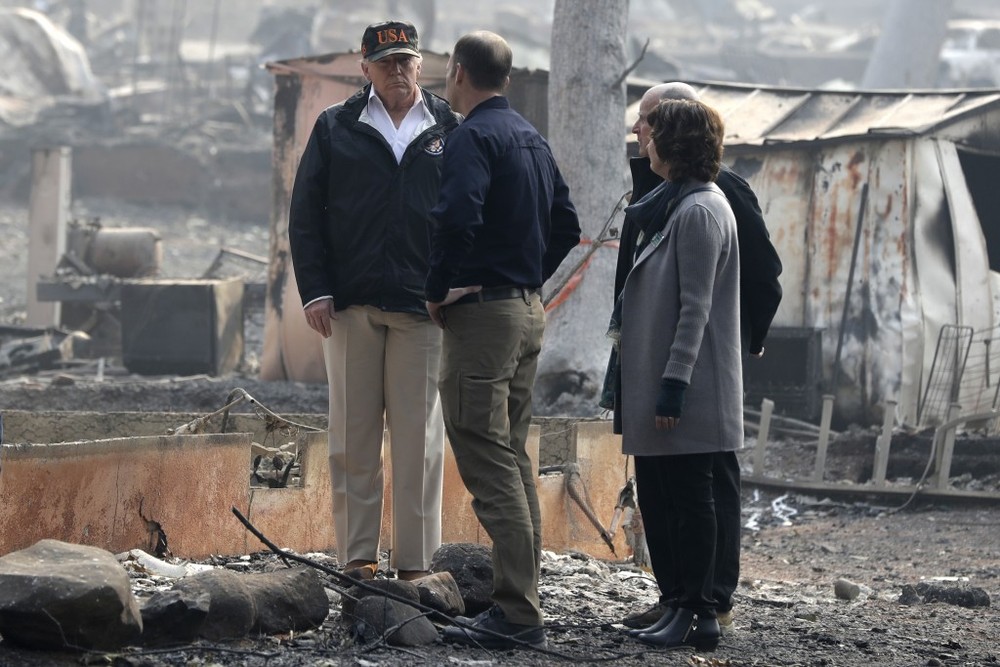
(659, 479)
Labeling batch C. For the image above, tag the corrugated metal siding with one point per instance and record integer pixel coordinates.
(808, 155)
(830, 238)
(757, 115)
(783, 182)
(811, 197)
(974, 300)
(880, 302)
(933, 252)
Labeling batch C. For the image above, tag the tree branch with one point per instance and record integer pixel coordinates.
(628, 70)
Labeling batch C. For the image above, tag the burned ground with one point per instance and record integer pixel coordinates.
(794, 549)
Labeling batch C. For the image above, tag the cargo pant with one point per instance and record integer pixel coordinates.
(489, 358)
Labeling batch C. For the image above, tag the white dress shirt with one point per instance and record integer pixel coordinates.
(417, 119)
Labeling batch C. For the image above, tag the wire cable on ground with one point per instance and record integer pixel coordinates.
(428, 611)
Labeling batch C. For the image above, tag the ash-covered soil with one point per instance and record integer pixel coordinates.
(794, 549)
(71, 391)
(191, 242)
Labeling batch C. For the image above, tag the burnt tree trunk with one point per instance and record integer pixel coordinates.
(587, 133)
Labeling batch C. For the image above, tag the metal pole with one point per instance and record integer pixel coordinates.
(212, 37)
(173, 52)
(850, 283)
(140, 12)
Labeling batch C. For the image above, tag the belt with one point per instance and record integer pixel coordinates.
(497, 293)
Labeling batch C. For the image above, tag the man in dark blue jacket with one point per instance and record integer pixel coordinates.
(504, 223)
(359, 229)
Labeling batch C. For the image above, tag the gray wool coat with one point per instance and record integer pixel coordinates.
(681, 319)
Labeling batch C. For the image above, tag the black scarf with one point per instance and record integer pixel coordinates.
(650, 214)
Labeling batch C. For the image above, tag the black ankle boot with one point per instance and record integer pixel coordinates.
(663, 622)
(686, 629)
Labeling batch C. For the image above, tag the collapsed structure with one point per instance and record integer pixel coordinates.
(882, 208)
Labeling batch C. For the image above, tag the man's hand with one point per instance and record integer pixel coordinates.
(434, 309)
(318, 316)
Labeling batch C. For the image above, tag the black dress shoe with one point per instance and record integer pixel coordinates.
(492, 630)
(686, 629)
(661, 623)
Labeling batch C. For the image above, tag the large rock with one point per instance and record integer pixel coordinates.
(406, 590)
(439, 591)
(232, 611)
(845, 589)
(401, 624)
(472, 567)
(265, 602)
(287, 600)
(174, 617)
(58, 595)
(963, 596)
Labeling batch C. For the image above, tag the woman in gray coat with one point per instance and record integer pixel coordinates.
(681, 366)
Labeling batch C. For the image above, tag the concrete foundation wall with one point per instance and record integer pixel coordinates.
(120, 493)
(123, 493)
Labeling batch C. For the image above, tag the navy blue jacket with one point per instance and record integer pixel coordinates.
(359, 222)
(503, 216)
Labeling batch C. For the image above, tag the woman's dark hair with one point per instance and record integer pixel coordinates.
(687, 134)
(486, 58)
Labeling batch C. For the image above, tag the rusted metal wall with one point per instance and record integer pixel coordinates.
(880, 272)
(921, 260)
(128, 493)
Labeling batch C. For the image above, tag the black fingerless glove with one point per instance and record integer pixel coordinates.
(671, 398)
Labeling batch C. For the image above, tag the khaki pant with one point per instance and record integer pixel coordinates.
(487, 370)
(383, 367)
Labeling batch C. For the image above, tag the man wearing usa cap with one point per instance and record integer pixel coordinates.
(359, 236)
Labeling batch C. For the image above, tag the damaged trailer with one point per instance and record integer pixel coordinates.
(884, 209)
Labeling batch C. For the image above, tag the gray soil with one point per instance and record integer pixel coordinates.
(786, 613)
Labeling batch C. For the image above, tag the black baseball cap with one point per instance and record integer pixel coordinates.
(389, 37)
